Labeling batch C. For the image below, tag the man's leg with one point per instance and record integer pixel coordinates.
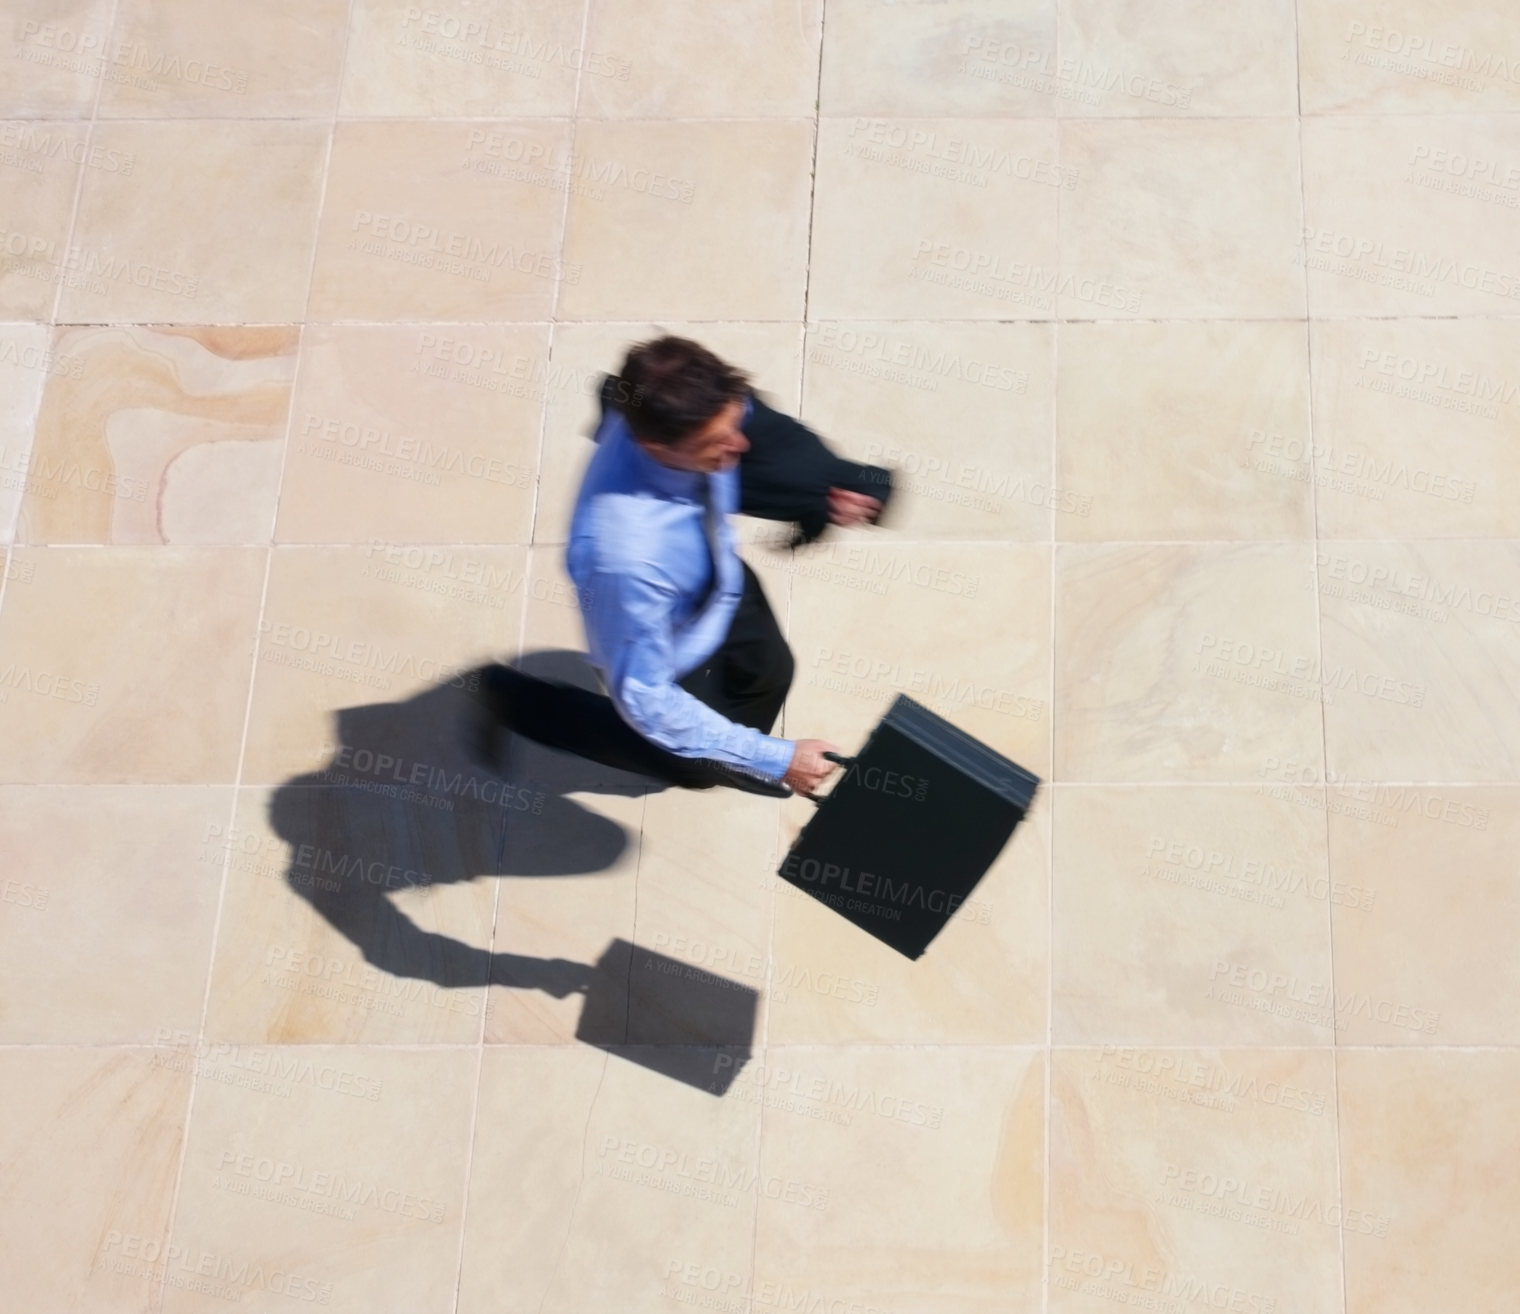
(748, 678)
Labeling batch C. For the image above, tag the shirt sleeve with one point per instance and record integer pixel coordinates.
(629, 621)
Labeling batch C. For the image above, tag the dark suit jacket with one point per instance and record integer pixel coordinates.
(788, 470)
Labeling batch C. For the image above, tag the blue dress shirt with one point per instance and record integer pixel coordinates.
(639, 557)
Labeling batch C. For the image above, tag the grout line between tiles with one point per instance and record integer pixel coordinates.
(1319, 640)
(1022, 1047)
(1098, 121)
(179, 1175)
(510, 324)
(897, 320)
(480, 1058)
(1243, 783)
(991, 544)
(89, 141)
(580, 1181)
(779, 830)
(49, 324)
(554, 320)
(517, 647)
(554, 309)
(1047, 1157)
(469, 1153)
(919, 322)
(216, 925)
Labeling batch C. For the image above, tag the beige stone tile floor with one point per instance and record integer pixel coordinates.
(1191, 328)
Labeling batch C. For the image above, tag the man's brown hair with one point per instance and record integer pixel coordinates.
(670, 387)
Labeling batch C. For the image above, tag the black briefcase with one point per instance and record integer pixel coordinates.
(910, 828)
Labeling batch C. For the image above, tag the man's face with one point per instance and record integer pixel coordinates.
(718, 445)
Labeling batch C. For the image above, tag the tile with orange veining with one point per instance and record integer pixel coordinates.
(214, 224)
(1189, 662)
(441, 221)
(50, 56)
(905, 1177)
(161, 435)
(1195, 1171)
(40, 164)
(89, 1153)
(1429, 1141)
(209, 58)
(140, 676)
(415, 435)
(492, 58)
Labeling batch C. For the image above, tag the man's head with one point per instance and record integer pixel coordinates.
(683, 404)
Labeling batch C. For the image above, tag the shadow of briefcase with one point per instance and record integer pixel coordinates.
(920, 814)
(662, 1013)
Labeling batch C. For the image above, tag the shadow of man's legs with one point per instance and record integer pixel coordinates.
(585, 724)
(746, 681)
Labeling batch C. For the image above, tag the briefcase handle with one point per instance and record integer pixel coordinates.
(832, 757)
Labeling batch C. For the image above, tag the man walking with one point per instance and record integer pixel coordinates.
(677, 626)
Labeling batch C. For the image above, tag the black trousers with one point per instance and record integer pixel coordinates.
(746, 680)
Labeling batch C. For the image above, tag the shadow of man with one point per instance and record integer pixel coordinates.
(403, 808)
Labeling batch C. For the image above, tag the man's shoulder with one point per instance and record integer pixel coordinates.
(617, 533)
(607, 514)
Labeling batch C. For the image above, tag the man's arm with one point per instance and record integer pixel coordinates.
(628, 628)
(789, 472)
